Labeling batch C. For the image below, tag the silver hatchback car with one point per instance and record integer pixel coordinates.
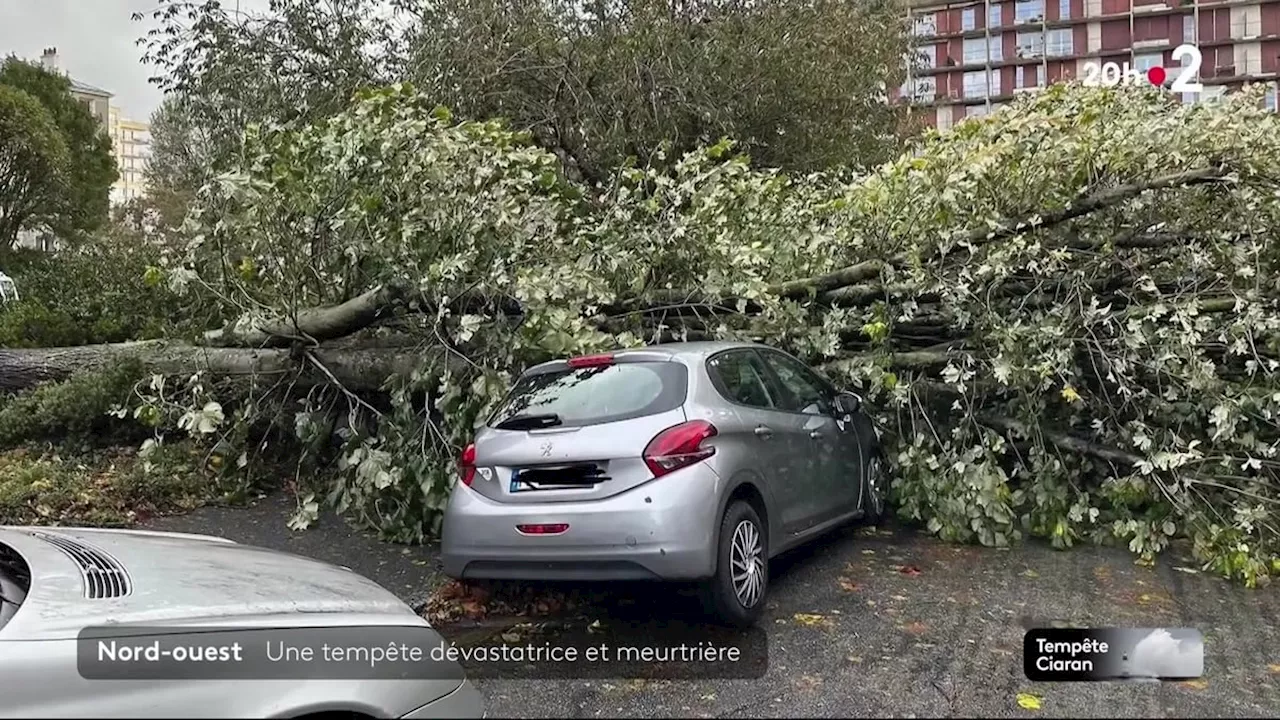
(689, 461)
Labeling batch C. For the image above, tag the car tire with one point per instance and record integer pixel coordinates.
(742, 551)
(875, 488)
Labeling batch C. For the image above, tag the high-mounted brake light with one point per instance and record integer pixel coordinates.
(591, 361)
(679, 446)
(467, 465)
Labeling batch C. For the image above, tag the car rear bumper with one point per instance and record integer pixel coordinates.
(662, 530)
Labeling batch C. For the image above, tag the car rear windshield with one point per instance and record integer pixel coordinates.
(594, 395)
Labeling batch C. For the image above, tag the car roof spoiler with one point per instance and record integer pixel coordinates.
(616, 357)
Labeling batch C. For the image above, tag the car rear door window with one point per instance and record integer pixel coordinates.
(809, 393)
(741, 377)
(597, 395)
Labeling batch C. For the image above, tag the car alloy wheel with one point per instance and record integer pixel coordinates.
(875, 487)
(746, 556)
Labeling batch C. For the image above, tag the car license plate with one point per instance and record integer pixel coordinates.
(518, 485)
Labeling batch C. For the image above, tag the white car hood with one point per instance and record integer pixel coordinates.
(178, 579)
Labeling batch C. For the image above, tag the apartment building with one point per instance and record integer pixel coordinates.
(96, 100)
(130, 139)
(131, 142)
(971, 57)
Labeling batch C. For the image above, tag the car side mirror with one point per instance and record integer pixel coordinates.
(847, 403)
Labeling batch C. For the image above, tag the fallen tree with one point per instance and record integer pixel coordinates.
(362, 369)
(1067, 316)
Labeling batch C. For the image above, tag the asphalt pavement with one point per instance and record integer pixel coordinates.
(873, 623)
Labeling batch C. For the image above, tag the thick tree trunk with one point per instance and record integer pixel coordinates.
(356, 369)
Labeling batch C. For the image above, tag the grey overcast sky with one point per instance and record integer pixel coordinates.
(95, 41)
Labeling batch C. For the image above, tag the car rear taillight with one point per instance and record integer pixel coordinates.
(679, 446)
(591, 361)
(467, 465)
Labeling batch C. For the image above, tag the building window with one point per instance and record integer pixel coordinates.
(1028, 11)
(975, 51)
(926, 25)
(1271, 100)
(1248, 25)
(993, 15)
(975, 111)
(975, 84)
(995, 49)
(1189, 28)
(1064, 9)
(925, 56)
(1030, 44)
(1057, 43)
(922, 89)
(1144, 63)
(969, 19)
(1028, 76)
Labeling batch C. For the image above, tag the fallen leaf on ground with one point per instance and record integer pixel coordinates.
(1031, 574)
(1195, 684)
(868, 552)
(856, 659)
(709, 697)
(900, 597)
(808, 682)
(911, 570)
(811, 619)
(1274, 668)
(1027, 701)
(848, 585)
(916, 628)
(1187, 570)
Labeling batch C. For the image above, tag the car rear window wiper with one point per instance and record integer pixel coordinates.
(530, 422)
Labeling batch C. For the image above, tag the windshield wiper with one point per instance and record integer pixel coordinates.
(530, 422)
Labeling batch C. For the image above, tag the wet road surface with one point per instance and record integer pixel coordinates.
(873, 623)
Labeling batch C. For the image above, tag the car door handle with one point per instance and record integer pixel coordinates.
(764, 431)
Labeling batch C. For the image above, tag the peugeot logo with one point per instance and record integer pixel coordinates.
(546, 449)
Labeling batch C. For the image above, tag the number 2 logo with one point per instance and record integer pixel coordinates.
(1190, 70)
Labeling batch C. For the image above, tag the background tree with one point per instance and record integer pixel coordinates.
(798, 83)
(224, 71)
(33, 163)
(183, 155)
(82, 205)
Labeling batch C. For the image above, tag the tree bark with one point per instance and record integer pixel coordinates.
(365, 369)
(315, 324)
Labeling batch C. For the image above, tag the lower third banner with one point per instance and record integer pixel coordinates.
(1076, 654)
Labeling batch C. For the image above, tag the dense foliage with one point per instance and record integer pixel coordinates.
(800, 83)
(1064, 314)
(33, 159)
(95, 292)
(55, 181)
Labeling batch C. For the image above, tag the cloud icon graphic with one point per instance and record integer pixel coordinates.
(1161, 655)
